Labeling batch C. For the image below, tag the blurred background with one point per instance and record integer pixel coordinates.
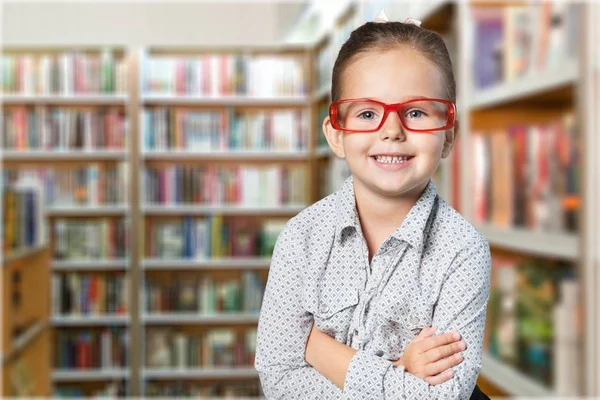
(153, 151)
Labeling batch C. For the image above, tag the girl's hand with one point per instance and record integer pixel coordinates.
(432, 357)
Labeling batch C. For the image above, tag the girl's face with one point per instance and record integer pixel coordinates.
(392, 76)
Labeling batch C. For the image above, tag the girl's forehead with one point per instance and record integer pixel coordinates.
(391, 75)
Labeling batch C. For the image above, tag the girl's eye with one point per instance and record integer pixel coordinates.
(415, 114)
(366, 115)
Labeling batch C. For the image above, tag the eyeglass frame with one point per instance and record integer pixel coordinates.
(333, 114)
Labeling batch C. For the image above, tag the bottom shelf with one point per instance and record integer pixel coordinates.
(61, 375)
(510, 380)
(200, 373)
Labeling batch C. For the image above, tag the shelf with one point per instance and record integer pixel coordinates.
(234, 155)
(90, 320)
(281, 101)
(63, 155)
(23, 340)
(90, 265)
(199, 209)
(101, 99)
(560, 245)
(510, 380)
(76, 211)
(20, 254)
(200, 373)
(89, 375)
(210, 264)
(323, 93)
(527, 87)
(199, 319)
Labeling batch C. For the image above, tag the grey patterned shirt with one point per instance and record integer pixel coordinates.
(432, 271)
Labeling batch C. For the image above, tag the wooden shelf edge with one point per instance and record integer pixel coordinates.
(510, 380)
(556, 245)
(24, 253)
(23, 340)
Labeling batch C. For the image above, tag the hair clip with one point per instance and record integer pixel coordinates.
(381, 17)
(412, 21)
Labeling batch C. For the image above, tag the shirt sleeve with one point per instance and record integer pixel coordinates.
(283, 330)
(462, 307)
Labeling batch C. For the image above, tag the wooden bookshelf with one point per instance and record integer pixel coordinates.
(26, 339)
(109, 96)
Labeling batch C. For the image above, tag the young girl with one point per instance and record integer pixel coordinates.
(380, 289)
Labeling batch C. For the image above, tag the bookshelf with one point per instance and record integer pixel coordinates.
(230, 105)
(533, 98)
(70, 135)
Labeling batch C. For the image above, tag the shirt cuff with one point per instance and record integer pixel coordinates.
(365, 376)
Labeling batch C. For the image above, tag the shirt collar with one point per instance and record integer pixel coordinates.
(413, 227)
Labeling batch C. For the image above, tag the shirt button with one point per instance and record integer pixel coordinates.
(379, 353)
(324, 308)
(414, 320)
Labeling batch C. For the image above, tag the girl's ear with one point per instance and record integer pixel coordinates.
(449, 140)
(335, 138)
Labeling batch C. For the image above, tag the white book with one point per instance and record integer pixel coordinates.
(93, 184)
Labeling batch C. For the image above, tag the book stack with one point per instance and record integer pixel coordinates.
(204, 295)
(92, 349)
(514, 41)
(67, 73)
(530, 319)
(217, 347)
(244, 185)
(23, 225)
(108, 390)
(88, 294)
(529, 176)
(224, 130)
(60, 128)
(220, 75)
(70, 186)
(90, 239)
(211, 237)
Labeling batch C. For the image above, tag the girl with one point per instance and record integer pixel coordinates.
(380, 289)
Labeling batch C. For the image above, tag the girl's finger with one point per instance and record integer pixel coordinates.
(440, 378)
(425, 333)
(443, 365)
(441, 352)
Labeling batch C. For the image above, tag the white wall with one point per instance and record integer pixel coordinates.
(146, 23)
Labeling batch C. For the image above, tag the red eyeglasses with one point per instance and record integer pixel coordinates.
(417, 115)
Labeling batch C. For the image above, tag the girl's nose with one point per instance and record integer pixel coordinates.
(392, 129)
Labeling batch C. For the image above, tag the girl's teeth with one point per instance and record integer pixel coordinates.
(391, 160)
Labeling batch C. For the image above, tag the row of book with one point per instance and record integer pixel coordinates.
(56, 128)
(90, 185)
(92, 349)
(90, 239)
(87, 294)
(204, 295)
(533, 320)
(529, 176)
(217, 347)
(211, 237)
(224, 389)
(224, 75)
(71, 72)
(513, 41)
(198, 130)
(110, 390)
(23, 224)
(245, 185)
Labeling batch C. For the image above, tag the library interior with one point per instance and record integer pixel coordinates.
(153, 151)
